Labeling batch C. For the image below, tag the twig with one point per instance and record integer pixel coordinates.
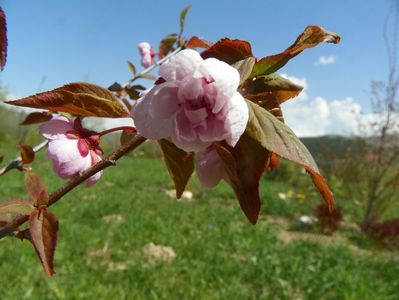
(10, 228)
(17, 162)
(150, 68)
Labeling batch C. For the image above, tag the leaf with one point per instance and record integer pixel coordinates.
(311, 37)
(245, 165)
(244, 67)
(197, 42)
(132, 67)
(282, 88)
(115, 87)
(27, 153)
(3, 39)
(229, 51)
(267, 101)
(166, 45)
(127, 135)
(16, 206)
(43, 228)
(36, 117)
(180, 165)
(79, 98)
(36, 189)
(4, 221)
(147, 76)
(276, 137)
(183, 17)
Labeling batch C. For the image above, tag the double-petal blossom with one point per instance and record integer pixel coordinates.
(196, 104)
(147, 54)
(72, 148)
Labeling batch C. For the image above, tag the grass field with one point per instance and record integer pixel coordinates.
(214, 252)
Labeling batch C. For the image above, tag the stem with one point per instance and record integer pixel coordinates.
(150, 68)
(110, 160)
(116, 129)
(17, 162)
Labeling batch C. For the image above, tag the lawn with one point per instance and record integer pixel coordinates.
(105, 249)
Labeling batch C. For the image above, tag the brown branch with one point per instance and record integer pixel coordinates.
(110, 160)
(17, 162)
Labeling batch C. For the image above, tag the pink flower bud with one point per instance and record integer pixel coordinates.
(147, 54)
(72, 148)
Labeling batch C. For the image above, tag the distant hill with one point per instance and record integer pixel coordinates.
(327, 146)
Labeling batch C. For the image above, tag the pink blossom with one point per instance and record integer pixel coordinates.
(209, 168)
(72, 148)
(196, 105)
(147, 54)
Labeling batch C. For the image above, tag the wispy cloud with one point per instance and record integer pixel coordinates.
(326, 60)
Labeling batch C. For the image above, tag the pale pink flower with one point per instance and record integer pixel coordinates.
(72, 148)
(147, 54)
(196, 104)
(209, 168)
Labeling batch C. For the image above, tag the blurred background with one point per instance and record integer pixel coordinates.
(129, 238)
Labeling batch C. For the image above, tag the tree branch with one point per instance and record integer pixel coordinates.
(17, 162)
(110, 160)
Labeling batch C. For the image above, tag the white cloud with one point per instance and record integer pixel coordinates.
(318, 116)
(326, 60)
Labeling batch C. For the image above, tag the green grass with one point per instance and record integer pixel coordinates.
(219, 255)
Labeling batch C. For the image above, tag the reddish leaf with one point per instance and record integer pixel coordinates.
(276, 137)
(269, 102)
(115, 87)
(43, 228)
(127, 135)
(311, 37)
(245, 165)
(16, 206)
(229, 51)
(282, 88)
(180, 165)
(36, 117)
(36, 189)
(274, 162)
(82, 99)
(197, 42)
(3, 39)
(27, 153)
(4, 221)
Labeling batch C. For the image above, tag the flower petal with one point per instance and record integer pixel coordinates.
(180, 65)
(66, 157)
(236, 119)
(164, 103)
(56, 128)
(146, 125)
(209, 168)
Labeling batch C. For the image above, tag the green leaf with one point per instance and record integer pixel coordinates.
(278, 138)
(43, 229)
(16, 206)
(311, 37)
(229, 51)
(245, 165)
(3, 39)
(36, 117)
(282, 88)
(244, 67)
(183, 18)
(180, 165)
(166, 45)
(36, 189)
(132, 67)
(79, 98)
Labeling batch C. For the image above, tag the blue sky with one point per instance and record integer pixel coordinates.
(55, 42)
